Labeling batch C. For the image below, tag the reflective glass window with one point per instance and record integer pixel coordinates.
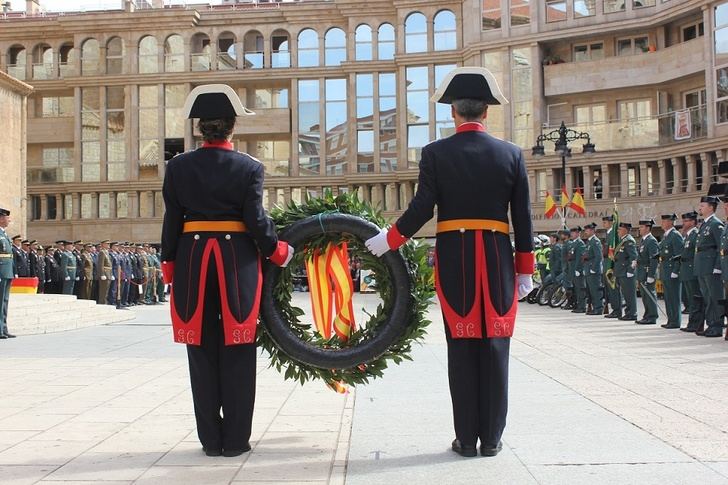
(491, 14)
(365, 122)
(90, 57)
(114, 56)
(415, 33)
(337, 133)
(555, 10)
(148, 55)
(445, 29)
(309, 127)
(520, 12)
(115, 134)
(335, 47)
(308, 48)
(174, 54)
(385, 45)
(363, 43)
(387, 122)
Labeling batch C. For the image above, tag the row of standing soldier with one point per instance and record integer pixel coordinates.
(109, 272)
(691, 261)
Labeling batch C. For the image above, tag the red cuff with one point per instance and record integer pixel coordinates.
(395, 238)
(524, 263)
(280, 254)
(167, 272)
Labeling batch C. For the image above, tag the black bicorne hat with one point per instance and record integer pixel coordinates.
(469, 83)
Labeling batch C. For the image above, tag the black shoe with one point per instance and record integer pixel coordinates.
(9, 335)
(685, 312)
(491, 450)
(628, 318)
(613, 315)
(688, 329)
(464, 450)
(645, 322)
(3, 337)
(667, 325)
(212, 451)
(599, 312)
(713, 332)
(231, 452)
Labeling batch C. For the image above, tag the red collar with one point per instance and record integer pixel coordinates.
(470, 126)
(224, 144)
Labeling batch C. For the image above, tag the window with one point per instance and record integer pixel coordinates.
(66, 58)
(588, 114)
(114, 56)
(387, 122)
(415, 33)
(200, 54)
(274, 155)
(522, 97)
(722, 94)
(335, 47)
(555, 10)
(385, 46)
(692, 31)
(90, 57)
(611, 6)
(309, 127)
(444, 124)
(585, 8)
(365, 123)
(59, 161)
(43, 62)
(693, 99)
(308, 48)
(267, 98)
(253, 50)
(635, 109)
(520, 12)
(281, 55)
(337, 132)
(56, 106)
(17, 62)
(363, 43)
(174, 54)
(445, 29)
(148, 55)
(174, 123)
(227, 59)
(495, 62)
(149, 125)
(90, 136)
(720, 37)
(589, 52)
(491, 14)
(418, 113)
(632, 45)
(115, 134)
(643, 3)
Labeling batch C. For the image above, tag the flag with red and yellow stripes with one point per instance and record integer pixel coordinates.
(549, 206)
(577, 203)
(564, 198)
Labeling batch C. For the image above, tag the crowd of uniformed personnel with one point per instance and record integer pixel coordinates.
(115, 273)
(690, 261)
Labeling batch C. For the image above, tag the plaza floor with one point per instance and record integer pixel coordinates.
(592, 401)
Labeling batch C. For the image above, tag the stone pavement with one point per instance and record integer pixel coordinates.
(592, 401)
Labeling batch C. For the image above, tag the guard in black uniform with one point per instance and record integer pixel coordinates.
(215, 231)
(474, 179)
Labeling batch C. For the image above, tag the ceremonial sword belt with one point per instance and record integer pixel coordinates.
(463, 225)
(214, 226)
(6, 255)
(706, 248)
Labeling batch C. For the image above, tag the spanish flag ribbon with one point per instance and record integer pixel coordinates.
(328, 274)
(550, 206)
(577, 203)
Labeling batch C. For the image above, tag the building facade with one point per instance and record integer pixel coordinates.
(13, 124)
(341, 95)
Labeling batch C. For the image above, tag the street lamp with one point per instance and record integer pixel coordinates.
(561, 138)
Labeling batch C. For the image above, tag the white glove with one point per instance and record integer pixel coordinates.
(592, 271)
(68, 278)
(674, 275)
(78, 279)
(717, 271)
(576, 273)
(650, 280)
(113, 278)
(289, 257)
(16, 276)
(525, 285)
(378, 244)
(630, 275)
(634, 264)
(103, 278)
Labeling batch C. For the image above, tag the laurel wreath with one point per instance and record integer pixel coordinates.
(415, 254)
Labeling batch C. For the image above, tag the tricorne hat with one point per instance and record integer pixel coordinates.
(469, 83)
(647, 222)
(214, 101)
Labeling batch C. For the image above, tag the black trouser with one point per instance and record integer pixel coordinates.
(478, 374)
(222, 377)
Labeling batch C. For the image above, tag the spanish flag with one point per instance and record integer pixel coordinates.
(564, 198)
(577, 203)
(550, 206)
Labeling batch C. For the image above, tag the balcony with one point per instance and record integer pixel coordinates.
(626, 71)
(51, 130)
(664, 129)
(253, 60)
(281, 59)
(200, 62)
(226, 62)
(17, 71)
(43, 71)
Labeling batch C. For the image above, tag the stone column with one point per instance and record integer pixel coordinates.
(677, 175)
(662, 167)
(707, 172)
(532, 181)
(112, 205)
(376, 196)
(44, 207)
(391, 199)
(624, 179)
(133, 204)
(606, 182)
(644, 189)
(60, 207)
(94, 205)
(588, 189)
(150, 201)
(76, 204)
(691, 165)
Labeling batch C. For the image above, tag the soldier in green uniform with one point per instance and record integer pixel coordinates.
(7, 273)
(68, 268)
(707, 262)
(593, 267)
(647, 261)
(554, 259)
(577, 252)
(688, 278)
(568, 268)
(671, 248)
(613, 297)
(625, 262)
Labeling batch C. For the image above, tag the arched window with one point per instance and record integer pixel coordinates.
(415, 33)
(364, 43)
(308, 48)
(335, 47)
(114, 56)
(281, 54)
(66, 58)
(445, 31)
(200, 52)
(385, 47)
(90, 57)
(42, 62)
(17, 61)
(148, 55)
(226, 56)
(174, 54)
(253, 50)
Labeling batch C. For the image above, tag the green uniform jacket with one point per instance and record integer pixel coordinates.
(687, 259)
(555, 260)
(567, 264)
(625, 255)
(593, 257)
(647, 259)
(68, 265)
(671, 249)
(724, 254)
(577, 251)
(7, 263)
(707, 254)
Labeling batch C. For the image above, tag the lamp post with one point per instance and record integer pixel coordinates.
(561, 138)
